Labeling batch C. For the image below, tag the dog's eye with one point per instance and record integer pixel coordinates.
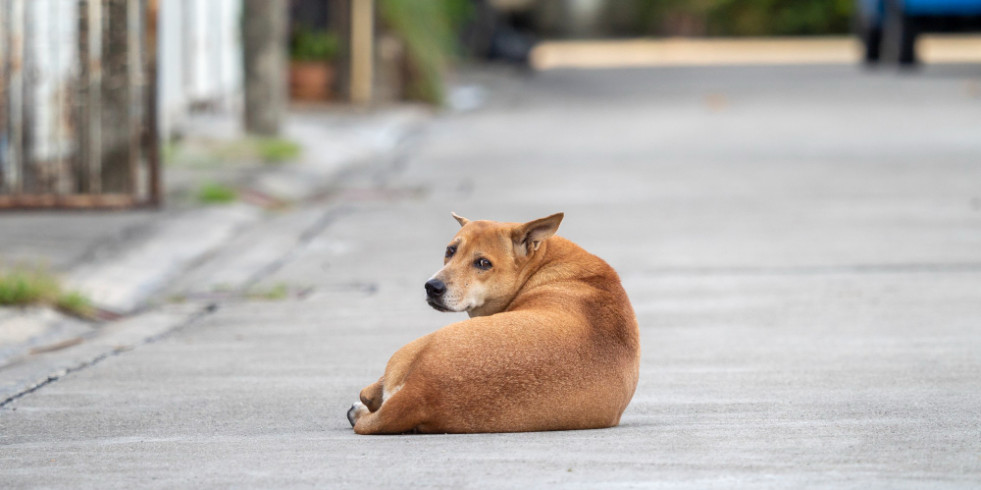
(483, 264)
(450, 251)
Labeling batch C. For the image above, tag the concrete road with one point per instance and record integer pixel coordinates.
(802, 246)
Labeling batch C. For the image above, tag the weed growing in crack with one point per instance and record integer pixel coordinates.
(277, 150)
(23, 286)
(275, 293)
(215, 193)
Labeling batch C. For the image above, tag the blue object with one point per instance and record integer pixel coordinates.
(875, 9)
(889, 28)
(942, 7)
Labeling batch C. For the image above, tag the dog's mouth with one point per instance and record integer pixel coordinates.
(438, 306)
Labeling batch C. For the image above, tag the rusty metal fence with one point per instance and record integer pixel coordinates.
(78, 104)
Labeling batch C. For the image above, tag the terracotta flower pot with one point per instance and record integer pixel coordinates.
(311, 80)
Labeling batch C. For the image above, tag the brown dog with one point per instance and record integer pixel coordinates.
(552, 342)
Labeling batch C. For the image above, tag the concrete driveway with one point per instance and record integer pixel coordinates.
(802, 246)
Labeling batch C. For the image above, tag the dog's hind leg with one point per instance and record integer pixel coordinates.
(399, 414)
(372, 395)
(376, 395)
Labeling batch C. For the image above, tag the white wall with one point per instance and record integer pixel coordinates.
(200, 61)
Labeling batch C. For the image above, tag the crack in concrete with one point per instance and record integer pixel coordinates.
(58, 375)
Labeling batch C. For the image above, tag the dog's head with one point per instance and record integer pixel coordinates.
(486, 263)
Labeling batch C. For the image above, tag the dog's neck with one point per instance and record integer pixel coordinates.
(541, 267)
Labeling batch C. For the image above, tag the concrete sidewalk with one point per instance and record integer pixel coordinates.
(802, 246)
(129, 261)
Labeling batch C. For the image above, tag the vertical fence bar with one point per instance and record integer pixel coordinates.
(152, 132)
(116, 90)
(28, 174)
(68, 130)
(62, 175)
(134, 70)
(16, 103)
(80, 96)
(94, 72)
(4, 126)
(39, 57)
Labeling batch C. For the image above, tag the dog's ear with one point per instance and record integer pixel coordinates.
(460, 219)
(529, 236)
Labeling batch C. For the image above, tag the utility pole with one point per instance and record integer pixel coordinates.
(362, 50)
(339, 17)
(264, 33)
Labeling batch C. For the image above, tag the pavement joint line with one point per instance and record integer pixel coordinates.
(908, 268)
(55, 377)
(304, 239)
(189, 320)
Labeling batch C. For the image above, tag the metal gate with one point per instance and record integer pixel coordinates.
(78, 104)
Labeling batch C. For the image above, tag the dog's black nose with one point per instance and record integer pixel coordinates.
(435, 288)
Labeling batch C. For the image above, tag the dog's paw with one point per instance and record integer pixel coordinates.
(356, 412)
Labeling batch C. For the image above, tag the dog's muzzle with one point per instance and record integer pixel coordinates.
(435, 289)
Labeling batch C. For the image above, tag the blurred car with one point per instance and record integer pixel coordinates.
(888, 28)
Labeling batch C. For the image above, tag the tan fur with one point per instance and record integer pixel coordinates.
(552, 342)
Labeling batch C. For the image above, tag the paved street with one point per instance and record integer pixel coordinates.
(802, 246)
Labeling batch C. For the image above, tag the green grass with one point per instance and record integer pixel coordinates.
(31, 286)
(75, 303)
(23, 286)
(169, 152)
(215, 193)
(276, 150)
(275, 293)
(204, 153)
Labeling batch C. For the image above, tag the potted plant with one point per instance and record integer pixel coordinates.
(311, 71)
